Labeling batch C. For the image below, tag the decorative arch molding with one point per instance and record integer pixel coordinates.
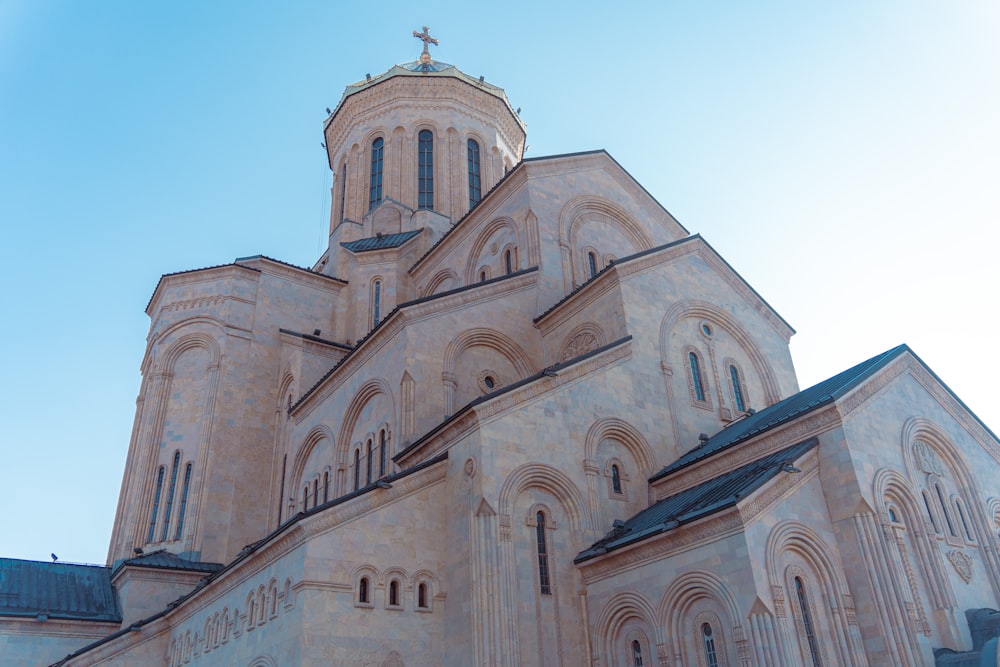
(439, 279)
(366, 571)
(615, 613)
(368, 391)
(684, 593)
(891, 485)
(694, 308)
(582, 339)
(263, 661)
(487, 232)
(190, 341)
(316, 435)
(810, 547)
(622, 431)
(547, 478)
(492, 339)
(575, 213)
(285, 388)
(924, 430)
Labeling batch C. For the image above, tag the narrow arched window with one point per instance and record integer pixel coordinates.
(363, 590)
(184, 501)
(944, 510)
(376, 302)
(393, 593)
(475, 183)
(636, 654)
(156, 504)
(343, 193)
(305, 497)
(170, 495)
(734, 377)
(699, 388)
(807, 622)
(930, 513)
(961, 516)
(368, 477)
(375, 182)
(711, 657)
(381, 453)
(543, 556)
(616, 479)
(326, 486)
(357, 469)
(508, 261)
(592, 263)
(482, 276)
(422, 596)
(425, 169)
(316, 492)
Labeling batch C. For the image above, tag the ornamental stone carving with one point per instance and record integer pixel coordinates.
(927, 460)
(962, 563)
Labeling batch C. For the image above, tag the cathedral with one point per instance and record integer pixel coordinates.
(515, 414)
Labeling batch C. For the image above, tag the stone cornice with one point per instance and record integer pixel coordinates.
(910, 364)
(56, 627)
(785, 483)
(196, 276)
(797, 430)
(656, 548)
(295, 274)
(487, 408)
(360, 108)
(469, 225)
(589, 293)
(396, 322)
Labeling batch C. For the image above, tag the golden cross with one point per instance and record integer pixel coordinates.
(425, 57)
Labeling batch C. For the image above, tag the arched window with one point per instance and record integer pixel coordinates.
(305, 497)
(156, 504)
(422, 596)
(375, 183)
(425, 169)
(807, 622)
(734, 377)
(316, 492)
(363, 597)
(343, 193)
(636, 653)
(393, 593)
(170, 495)
(699, 388)
(376, 302)
(592, 263)
(381, 453)
(368, 477)
(184, 501)
(508, 261)
(711, 657)
(475, 184)
(482, 276)
(616, 479)
(961, 516)
(357, 469)
(543, 556)
(326, 486)
(944, 510)
(930, 513)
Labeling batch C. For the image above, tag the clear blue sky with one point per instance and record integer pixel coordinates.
(844, 158)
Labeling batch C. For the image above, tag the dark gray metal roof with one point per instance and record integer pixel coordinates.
(59, 590)
(699, 501)
(784, 411)
(381, 242)
(164, 560)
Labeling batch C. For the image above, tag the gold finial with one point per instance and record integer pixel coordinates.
(425, 57)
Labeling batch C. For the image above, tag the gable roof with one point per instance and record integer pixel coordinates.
(59, 590)
(164, 560)
(784, 411)
(699, 501)
(380, 242)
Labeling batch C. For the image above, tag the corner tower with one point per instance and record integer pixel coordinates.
(415, 148)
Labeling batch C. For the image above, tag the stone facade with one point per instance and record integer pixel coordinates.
(442, 444)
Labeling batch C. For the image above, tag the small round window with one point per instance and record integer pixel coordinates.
(706, 329)
(489, 381)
